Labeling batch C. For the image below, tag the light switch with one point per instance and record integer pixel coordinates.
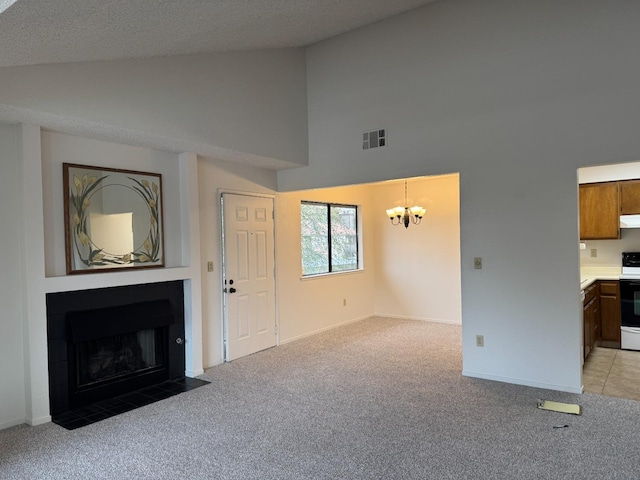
(210, 266)
(477, 263)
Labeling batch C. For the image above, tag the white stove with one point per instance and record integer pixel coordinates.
(630, 273)
(630, 301)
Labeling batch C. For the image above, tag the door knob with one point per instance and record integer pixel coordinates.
(232, 290)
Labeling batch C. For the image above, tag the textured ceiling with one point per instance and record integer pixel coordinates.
(46, 31)
(55, 31)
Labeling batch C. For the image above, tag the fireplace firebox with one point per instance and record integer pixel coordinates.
(113, 358)
(116, 350)
(108, 342)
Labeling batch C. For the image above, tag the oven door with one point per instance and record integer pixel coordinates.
(630, 303)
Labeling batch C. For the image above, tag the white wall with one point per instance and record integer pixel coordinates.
(515, 96)
(58, 148)
(215, 177)
(12, 387)
(251, 102)
(418, 269)
(609, 252)
(310, 305)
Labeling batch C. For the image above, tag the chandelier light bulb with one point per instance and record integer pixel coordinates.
(405, 215)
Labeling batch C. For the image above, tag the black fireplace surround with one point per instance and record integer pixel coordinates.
(111, 341)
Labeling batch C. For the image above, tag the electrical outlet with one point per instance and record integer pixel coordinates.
(477, 263)
(594, 252)
(344, 302)
(479, 340)
(210, 266)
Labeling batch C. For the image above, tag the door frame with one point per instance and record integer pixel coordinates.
(225, 326)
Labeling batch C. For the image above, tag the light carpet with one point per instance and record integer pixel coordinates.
(378, 399)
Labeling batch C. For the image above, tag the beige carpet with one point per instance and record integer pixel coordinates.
(378, 399)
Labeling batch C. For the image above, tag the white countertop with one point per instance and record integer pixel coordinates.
(588, 275)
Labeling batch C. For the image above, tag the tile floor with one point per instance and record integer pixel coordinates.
(89, 414)
(612, 372)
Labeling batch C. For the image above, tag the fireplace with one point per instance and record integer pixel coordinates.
(116, 350)
(107, 342)
(104, 360)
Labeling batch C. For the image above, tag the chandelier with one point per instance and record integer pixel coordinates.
(406, 214)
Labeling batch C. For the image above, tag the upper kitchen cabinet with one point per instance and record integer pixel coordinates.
(599, 211)
(630, 197)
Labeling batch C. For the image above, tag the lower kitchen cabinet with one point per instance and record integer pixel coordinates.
(601, 315)
(609, 313)
(586, 315)
(591, 316)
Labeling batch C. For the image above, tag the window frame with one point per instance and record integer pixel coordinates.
(330, 271)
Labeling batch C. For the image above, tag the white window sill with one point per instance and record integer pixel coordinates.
(332, 274)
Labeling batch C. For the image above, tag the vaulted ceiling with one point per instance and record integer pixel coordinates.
(54, 31)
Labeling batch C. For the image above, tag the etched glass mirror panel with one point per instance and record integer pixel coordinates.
(113, 219)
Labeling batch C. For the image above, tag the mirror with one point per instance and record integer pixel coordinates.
(113, 219)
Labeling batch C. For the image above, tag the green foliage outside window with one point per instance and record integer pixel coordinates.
(329, 238)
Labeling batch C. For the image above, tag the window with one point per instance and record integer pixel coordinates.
(329, 238)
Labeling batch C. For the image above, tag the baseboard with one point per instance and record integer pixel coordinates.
(39, 420)
(399, 317)
(421, 319)
(211, 365)
(12, 423)
(193, 373)
(324, 329)
(520, 381)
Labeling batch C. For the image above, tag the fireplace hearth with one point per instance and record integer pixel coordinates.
(109, 342)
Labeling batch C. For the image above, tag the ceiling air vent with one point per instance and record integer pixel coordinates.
(374, 139)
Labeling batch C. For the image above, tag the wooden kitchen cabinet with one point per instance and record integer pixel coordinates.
(586, 315)
(609, 313)
(591, 317)
(595, 322)
(629, 197)
(599, 211)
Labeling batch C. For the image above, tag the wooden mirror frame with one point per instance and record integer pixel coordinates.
(84, 189)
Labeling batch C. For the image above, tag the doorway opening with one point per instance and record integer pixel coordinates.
(409, 273)
(608, 361)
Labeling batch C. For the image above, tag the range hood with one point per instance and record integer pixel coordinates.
(629, 221)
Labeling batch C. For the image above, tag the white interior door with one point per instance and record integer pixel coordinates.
(249, 275)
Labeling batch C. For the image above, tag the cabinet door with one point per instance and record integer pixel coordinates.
(630, 197)
(610, 313)
(599, 214)
(588, 322)
(595, 322)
